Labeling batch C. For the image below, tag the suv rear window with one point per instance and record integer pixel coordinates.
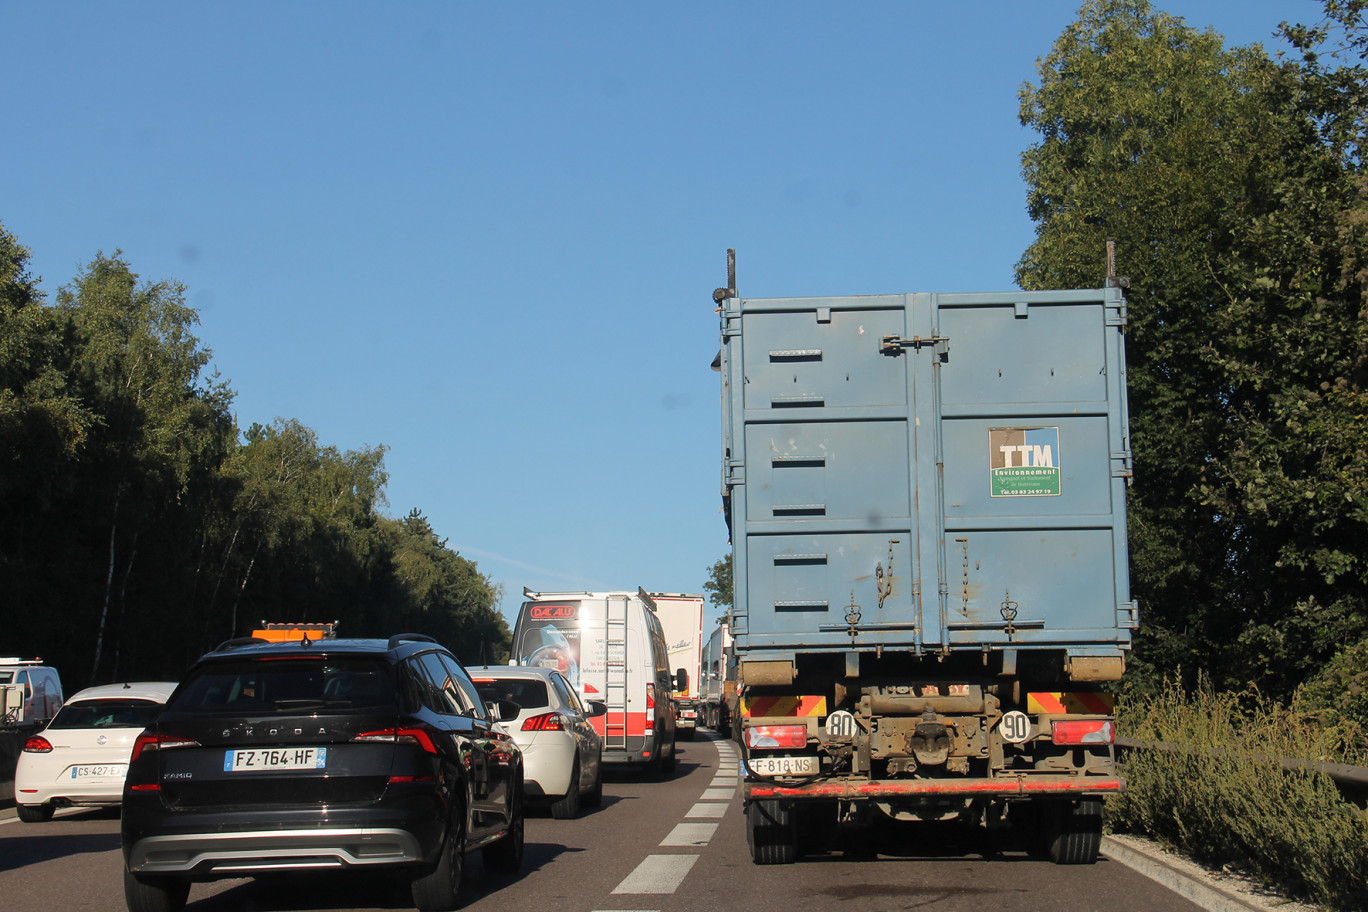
(106, 714)
(264, 686)
(529, 693)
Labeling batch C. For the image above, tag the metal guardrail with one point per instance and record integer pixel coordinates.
(1352, 780)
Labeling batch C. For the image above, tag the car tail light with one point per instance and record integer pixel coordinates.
(416, 736)
(776, 736)
(37, 745)
(1084, 731)
(546, 722)
(149, 741)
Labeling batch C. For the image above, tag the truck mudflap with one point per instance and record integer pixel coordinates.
(1012, 787)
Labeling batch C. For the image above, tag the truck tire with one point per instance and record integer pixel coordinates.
(772, 832)
(1073, 830)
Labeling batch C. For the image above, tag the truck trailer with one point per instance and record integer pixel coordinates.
(925, 495)
(681, 616)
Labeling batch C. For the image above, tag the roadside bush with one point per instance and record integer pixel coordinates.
(1218, 791)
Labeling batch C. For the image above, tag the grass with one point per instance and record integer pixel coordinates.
(1220, 794)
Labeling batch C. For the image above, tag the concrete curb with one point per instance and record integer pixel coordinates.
(1162, 869)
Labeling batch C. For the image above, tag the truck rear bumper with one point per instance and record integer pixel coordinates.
(1017, 787)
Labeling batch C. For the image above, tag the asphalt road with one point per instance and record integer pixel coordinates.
(677, 845)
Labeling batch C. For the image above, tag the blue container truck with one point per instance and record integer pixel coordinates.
(926, 500)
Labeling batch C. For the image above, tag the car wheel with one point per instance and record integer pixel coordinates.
(506, 855)
(594, 797)
(437, 891)
(568, 806)
(668, 765)
(155, 894)
(35, 813)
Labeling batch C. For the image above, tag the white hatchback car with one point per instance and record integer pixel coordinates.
(81, 758)
(562, 752)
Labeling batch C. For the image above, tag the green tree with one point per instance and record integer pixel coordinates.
(1230, 183)
(719, 584)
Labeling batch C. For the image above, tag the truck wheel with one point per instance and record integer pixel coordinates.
(1073, 831)
(772, 832)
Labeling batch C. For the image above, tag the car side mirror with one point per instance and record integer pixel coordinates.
(597, 708)
(681, 680)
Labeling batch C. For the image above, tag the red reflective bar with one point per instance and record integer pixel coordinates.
(1005, 788)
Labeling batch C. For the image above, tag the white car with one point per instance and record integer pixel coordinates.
(81, 758)
(562, 752)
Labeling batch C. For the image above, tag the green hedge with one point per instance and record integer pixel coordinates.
(1221, 795)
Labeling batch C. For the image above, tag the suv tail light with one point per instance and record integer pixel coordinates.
(37, 745)
(413, 735)
(148, 741)
(546, 722)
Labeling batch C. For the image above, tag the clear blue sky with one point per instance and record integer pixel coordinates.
(486, 235)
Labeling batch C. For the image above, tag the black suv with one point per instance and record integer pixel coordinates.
(317, 755)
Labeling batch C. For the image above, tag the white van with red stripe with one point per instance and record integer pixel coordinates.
(611, 647)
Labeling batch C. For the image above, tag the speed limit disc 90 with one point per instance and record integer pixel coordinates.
(1015, 727)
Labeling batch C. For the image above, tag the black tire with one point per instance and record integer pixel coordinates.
(567, 807)
(594, 797)
(772, 832)
(667, 765)
(155, 894)
(35, 813)
(439, 889)
(1073, 831)
(506, 855)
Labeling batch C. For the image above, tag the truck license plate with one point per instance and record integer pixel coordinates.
(285, 758)
(784, 766)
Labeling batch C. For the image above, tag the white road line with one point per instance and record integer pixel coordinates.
(690, 834)
(718, 794)
(657, 874)
(708, 809)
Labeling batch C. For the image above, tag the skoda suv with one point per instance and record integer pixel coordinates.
(316, 755)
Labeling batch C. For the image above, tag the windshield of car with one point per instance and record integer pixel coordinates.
(529, 693)
(264, 686)
(122, 713)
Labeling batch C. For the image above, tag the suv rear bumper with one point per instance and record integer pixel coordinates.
(218, 855)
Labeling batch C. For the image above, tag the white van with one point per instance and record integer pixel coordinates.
(611, 647)
(31, 692)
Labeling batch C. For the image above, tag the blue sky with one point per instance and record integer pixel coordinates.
(486, 235)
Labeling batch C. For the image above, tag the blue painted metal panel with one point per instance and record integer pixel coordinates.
(927, 472)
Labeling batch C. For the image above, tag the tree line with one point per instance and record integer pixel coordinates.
(142, 526)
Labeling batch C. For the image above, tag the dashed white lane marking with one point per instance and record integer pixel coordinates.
(707, 809)
(718, 794)
(657, 874)
(690, 834)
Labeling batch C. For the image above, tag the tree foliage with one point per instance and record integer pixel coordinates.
(142, 527)
(719, 583)
(1232, 183)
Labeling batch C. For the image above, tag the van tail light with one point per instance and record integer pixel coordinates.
(150, 741)
(414, 735)
(546, 722)
(37, 745)
(650, 707)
